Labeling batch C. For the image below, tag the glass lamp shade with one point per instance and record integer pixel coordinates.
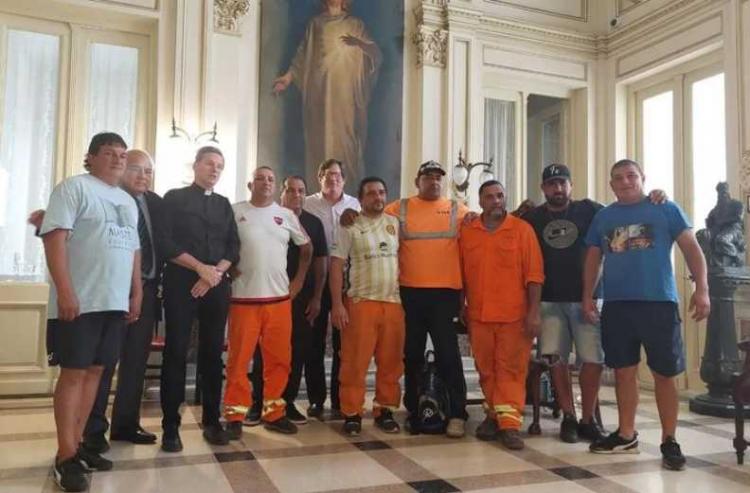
(460, 174)
(486, 176)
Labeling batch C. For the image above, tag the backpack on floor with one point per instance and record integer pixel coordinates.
(432, 406)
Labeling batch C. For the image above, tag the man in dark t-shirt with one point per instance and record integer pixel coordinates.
(305, 307)
(561, 225)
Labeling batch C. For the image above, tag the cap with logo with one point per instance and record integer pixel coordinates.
(554, 172)
(430, 167)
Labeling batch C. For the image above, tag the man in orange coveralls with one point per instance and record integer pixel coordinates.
(261, 303)
(503, 275)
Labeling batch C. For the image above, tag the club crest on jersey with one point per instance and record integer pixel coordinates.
(390, 230)
(241, 219)
(278, 220)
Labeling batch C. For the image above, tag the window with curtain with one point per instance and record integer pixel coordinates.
(27, 148)
(112, 90)
(500, 141)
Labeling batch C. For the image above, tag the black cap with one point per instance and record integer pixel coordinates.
(555, 171)
(429, 167)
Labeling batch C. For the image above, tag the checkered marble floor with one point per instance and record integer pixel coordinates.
(321, 459)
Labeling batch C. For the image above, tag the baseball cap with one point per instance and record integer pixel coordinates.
(555, 171)
(429, 167)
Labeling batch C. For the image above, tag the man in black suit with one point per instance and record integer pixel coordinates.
(136, 343)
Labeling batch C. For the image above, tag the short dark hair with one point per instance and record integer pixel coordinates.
(370, 179)
(329, 163)
(489, 183)
(264, 167)
(294, 177)
(103, 139)
(207, 150)
(626, 162)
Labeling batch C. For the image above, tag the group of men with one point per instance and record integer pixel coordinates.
(388, 274)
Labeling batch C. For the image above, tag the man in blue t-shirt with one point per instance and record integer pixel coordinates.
(635, 239)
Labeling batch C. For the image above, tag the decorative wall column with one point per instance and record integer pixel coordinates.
(227, 15)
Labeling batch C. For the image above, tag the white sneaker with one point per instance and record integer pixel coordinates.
(456, 428)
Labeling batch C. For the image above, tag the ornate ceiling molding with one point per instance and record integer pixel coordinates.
(227, 15)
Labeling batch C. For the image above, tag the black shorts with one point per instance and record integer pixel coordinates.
(92, 339)
(655, 325)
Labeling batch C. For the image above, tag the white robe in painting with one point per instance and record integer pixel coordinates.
(336, 81)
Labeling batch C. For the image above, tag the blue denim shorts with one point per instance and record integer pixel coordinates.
(562, 325)
(655, 325)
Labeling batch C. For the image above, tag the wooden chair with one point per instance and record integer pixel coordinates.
(741, 396)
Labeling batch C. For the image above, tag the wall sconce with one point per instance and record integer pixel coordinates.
(462, 173)
(178, 132)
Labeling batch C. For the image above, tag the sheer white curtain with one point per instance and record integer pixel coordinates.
(113, 91)
(27, 148)
(500, 141)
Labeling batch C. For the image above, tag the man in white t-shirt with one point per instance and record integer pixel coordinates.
(370, 318)
(261, 303)
(327, 205)
(93, 255)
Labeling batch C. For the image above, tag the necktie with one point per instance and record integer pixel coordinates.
(147, 260)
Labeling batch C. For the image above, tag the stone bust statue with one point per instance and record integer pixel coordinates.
(723, 239)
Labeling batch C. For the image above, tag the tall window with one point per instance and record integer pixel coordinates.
(708, 143)
(113, 90)
(27, 147)
(57, 89)
(500, 141)
(681, 138)
(658, 141)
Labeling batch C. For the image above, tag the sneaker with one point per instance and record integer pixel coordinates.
(170, 440)
(671, 455)
(511, 439)
(215, 434)
(456, 428)
(569, 429)
(615, 444)
(70, 475)
(281, 425)
(487, 429)
(386, 423)
(315, 411)
(96, 443)
(590, 431)
(352, 425)
(252, 418)
(234, 430)
(294, 415)
(92, 461)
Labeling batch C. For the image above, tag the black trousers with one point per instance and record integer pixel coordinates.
(135, 348)
(301, 338)
(180, 309)
(431, 311)
(315, 371)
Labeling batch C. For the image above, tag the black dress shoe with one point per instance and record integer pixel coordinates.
(96, 443)
(315, 411)
(170, 441)
(139, 436)
(215, 434)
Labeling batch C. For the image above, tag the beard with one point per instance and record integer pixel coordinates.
(558, 199)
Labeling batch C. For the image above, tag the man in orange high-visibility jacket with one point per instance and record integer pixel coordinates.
(503, 275)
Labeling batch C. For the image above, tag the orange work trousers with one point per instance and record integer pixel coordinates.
(271, 324)
(375, 328)
(501, 354)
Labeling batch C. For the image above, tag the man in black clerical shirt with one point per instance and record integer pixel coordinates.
(305, 307)
(200, 242)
